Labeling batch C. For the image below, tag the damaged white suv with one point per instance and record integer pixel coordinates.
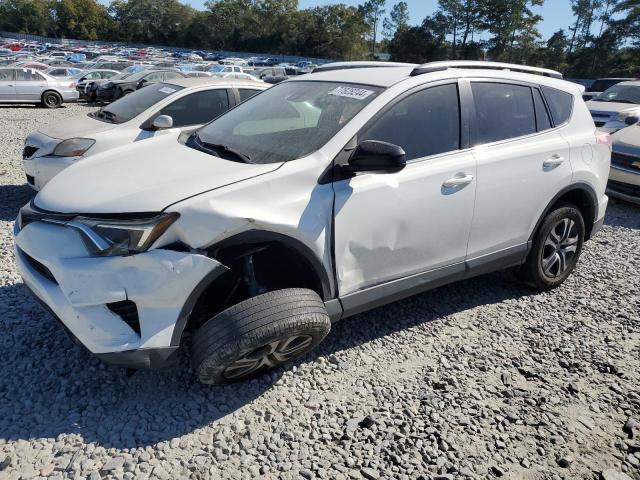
(319, 198)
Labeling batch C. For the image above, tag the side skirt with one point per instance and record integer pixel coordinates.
(376, 296)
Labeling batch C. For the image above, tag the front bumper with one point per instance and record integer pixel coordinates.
(624, 184)
(40, 170)
(79, 289)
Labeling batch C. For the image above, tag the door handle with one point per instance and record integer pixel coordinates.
(459, 180)
(553, 161)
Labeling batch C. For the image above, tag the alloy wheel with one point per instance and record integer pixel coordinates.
(268, 356)
(560, 248)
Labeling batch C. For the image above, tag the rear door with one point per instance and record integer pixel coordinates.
(29, 84)
(523, 162)
(7, 84)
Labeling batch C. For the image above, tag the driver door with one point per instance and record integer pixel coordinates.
(398, 233)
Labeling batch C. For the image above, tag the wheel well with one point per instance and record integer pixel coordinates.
(584, 201)
(254, 268)
(50, 91)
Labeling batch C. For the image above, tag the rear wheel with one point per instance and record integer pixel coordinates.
(556, 248)
(51, 99)
(258, 334)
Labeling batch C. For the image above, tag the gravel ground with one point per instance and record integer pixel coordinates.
(480, 379)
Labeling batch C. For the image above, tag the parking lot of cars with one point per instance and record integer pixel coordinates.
(236, 245)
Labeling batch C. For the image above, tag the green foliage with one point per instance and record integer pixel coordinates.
(603, 37)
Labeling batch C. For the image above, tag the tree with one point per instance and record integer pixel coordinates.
(372, 11)
(26, 16)
(419, 44)
(81, 19)
(398, 19)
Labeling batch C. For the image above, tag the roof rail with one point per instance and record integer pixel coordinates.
(327, 67)
(440, 66)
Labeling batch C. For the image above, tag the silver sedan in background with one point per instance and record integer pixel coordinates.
(27, 85)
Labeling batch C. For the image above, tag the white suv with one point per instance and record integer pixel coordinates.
(319, 198)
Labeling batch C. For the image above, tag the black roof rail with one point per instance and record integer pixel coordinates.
(440, 66)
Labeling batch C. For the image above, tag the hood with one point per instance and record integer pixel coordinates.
(146, 176)
(627, 141)
(612, 107)
(82, 126)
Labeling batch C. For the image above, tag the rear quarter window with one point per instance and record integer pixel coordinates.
(560, 103)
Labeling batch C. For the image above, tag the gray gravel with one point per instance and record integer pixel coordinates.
(480, 379)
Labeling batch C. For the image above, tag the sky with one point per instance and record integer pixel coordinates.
(556, 13)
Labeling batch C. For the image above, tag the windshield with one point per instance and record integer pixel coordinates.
(286, 122)
(132, 105)
(620, 93)
(216, 68)
(602, 84)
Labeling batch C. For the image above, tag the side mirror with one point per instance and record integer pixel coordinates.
(376, 156)
(631, 120)
(162, 122)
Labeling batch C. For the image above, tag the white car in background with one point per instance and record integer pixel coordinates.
(158, 109)
(612, 107)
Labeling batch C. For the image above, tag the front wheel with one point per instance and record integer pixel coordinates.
(556, 248)
(258, 334)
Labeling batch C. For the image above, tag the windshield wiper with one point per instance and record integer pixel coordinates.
(223, 148)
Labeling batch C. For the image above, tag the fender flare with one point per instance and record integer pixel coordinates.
(582, 187)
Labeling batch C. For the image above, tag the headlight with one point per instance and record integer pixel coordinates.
(73, 147)
(624, 114)
(123, 237)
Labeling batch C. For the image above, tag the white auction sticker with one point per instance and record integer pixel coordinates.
(167, 90)
(351, 92)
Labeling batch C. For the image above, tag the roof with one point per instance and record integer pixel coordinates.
(386, 77)
(199, 81)
(634, 83)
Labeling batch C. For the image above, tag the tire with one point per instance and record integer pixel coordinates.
(51, 99)
(125, 93)
(556, 248)
(260, 333)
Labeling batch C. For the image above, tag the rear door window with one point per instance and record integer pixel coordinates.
(560, 103)
(28, 75)
(197, 108)
(503, 111)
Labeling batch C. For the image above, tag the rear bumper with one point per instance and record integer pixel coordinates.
(80, 290)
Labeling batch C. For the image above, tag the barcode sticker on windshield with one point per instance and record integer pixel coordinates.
(351, 92)
(167, 90)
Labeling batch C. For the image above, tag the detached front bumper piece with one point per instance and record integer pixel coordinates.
(127, 310)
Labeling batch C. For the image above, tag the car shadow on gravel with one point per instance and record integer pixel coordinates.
(623, 214)
(13, 198)
(50, 386)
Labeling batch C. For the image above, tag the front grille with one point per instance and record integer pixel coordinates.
(31, 180)
(128, 311)
(624, 188)
(626, 161)
(39, 267)
(29, 151)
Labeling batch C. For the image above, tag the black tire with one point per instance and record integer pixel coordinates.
(562, 256)
(51, 99)
(258, 334)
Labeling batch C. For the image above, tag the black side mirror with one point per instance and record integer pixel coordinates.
(631, 120)
(376, 156)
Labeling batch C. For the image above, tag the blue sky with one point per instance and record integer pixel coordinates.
(556, 13)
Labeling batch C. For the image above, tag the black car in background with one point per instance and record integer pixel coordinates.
(112, 90)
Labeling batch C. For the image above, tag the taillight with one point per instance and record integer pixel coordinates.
(603, 138)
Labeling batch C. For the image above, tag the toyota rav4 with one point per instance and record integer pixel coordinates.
(322, 197)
